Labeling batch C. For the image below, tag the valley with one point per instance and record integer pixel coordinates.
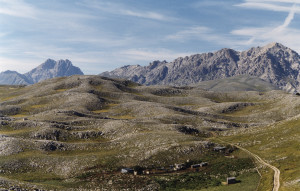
(78, 133)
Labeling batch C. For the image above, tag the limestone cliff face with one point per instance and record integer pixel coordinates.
(52, 69)
(273, 63)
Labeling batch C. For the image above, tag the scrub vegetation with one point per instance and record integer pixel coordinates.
(78, 132)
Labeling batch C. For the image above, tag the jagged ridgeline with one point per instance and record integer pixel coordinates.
(79, 132)
(273, 63)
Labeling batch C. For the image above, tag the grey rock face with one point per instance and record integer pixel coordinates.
(273, 63)
(52, 69)
(49, 69)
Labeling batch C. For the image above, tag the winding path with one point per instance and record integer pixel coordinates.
(260, 160)
(276, 183)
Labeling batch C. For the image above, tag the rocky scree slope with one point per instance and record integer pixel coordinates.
(49, 69)
(75, 133)
(273, 63)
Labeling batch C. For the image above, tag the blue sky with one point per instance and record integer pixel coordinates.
(100, 35)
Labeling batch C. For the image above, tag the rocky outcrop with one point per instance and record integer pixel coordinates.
(273, 63)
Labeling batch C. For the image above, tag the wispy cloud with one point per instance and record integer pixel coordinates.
(249, 36)
(197, 32)
(287, 21)
(211, 3)
(17, 8)
(21, 64)
(105, 41)
(2, 34)
(147, 14)
(280, 33)
(275, 1)
(206, 34)
(150, 55)
(271, 5)
(121, 9)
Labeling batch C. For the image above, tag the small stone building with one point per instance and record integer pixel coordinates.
(231, 180)
(195, 166)
(126, 170)
(220, 149)
(199, 165)
(179, 166)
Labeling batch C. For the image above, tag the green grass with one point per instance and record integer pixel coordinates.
(9, 92)
(37, 106)
(152, 138)
(278, 144)
(212, 175)
(106, 108)
(123, 117)
(189, 181)
(47, 180)
(16, 132)
(249, 182)
(20, 115)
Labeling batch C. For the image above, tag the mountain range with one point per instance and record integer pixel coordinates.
(273, 63)
(49, 69)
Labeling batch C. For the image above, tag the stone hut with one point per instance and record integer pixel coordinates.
(231, 180)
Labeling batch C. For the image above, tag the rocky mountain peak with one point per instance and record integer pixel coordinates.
(49, 69)
(9, 72)
(275, 45)
(66, 62)
(48, 64)
(156, 63)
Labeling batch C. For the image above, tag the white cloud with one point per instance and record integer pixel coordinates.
(276, 1)
(282, 33)
(17, 8)
(198, 32)
(147, 55)
(107, 41)
(147, 15)
(202, 33)
(287, 21)
(21, 64)
(271, 5)
(120, 9)
(2, 34)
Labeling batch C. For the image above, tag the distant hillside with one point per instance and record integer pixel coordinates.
(49, 69)
(273, 63)
(237, 83)
(13, 77)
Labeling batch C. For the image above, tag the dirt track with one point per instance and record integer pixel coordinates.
(276, 183)
(276, 170)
